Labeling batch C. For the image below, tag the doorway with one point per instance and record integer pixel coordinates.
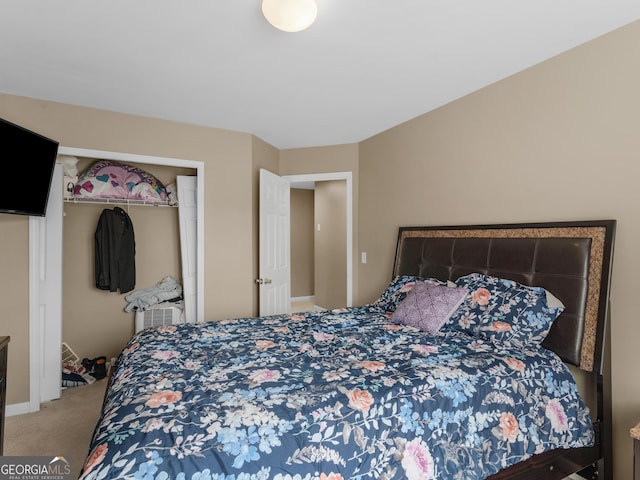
(307, 181)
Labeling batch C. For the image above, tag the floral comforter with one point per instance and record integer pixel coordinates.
(328, 396)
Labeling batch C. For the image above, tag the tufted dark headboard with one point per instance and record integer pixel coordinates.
(572, 260)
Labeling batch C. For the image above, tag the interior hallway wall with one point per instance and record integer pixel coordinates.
(330, 252)
(302, 242)
(336, 158)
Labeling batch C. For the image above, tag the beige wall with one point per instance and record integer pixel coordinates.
(14, 285)
(336, 158)
(302, 242)
(318, 257)
(558, 141)
(330, 248)
(229, 223)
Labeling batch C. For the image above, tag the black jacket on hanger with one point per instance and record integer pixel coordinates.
(115, 251)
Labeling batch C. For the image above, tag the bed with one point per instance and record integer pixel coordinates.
(458, 371)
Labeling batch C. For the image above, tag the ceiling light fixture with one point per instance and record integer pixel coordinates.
(290, 15)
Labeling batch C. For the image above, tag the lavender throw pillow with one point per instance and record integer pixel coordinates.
(397, 290)
(428, 306)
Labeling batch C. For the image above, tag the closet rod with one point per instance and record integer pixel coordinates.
(117, 201)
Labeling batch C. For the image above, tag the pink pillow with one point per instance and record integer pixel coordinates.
(428, 306)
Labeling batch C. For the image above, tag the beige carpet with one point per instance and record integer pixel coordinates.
(61, 428)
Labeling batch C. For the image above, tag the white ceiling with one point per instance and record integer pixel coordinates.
(363, 67)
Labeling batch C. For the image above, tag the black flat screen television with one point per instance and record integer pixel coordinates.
(28, 161)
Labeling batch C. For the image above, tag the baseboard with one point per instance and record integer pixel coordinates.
(17, 409)
(308, 298)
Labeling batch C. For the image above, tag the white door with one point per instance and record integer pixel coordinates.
(46, 318)
(188, 218)
(275, 256)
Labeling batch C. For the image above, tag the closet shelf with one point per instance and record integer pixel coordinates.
(116, 201)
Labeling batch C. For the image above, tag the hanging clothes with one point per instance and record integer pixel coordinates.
(115, 250)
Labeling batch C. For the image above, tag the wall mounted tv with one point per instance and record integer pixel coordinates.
(28, 160)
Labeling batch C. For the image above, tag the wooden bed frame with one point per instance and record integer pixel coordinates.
(573, 260)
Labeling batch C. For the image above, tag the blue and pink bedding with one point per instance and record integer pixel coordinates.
(346, 394)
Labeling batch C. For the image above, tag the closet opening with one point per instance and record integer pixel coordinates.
(92, 321)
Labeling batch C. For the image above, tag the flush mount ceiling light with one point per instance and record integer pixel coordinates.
(290, 15)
